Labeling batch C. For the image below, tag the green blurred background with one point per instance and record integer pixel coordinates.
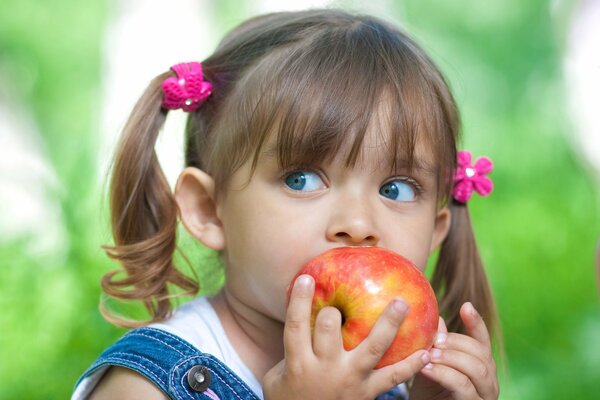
(504, 59)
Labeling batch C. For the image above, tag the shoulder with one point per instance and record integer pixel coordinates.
(153, 364)
(122, 383)
(143, 361)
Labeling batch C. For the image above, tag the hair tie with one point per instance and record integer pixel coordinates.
(470, 177)
(188, 90)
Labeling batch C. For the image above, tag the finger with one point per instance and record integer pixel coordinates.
(442, 333)
(475, 325)
(481, 374)
(368, 353)
(296, 332)
(458, 384)
(442, 326)
(463, 343)
(327, 337)
(386, 378)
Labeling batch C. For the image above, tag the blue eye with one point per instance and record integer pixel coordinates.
(398, 190)
(305, 181)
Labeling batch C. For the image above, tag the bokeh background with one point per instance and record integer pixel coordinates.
(526, 75)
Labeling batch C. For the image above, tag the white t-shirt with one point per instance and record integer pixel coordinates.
(197, 323)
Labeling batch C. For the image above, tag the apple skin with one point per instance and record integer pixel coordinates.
(361, 282)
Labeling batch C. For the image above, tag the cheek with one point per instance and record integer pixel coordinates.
(414, 241)
(263, 237)
(256, 263)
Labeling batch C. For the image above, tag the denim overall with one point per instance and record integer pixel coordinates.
(179, 369)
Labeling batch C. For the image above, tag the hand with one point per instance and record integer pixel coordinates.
(462, 366)
(321, 369)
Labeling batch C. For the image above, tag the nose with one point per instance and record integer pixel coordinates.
(352, 224)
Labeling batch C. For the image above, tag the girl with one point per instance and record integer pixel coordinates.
(307, 131)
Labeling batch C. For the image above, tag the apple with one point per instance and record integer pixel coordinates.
(360, 282)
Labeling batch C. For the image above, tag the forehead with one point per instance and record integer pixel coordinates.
(377, 153)
(379, 146)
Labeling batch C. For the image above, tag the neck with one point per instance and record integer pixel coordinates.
(257, 338)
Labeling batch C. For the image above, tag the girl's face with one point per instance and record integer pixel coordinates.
(274, 221)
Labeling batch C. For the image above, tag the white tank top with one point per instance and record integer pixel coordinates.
(198, 323)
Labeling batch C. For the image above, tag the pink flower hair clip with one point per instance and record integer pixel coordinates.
(469, 177)
(188, 90)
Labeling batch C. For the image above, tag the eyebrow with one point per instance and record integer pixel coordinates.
(271, 152)
(402, 164)
(417, 165)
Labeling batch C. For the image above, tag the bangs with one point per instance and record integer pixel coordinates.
(317, 99)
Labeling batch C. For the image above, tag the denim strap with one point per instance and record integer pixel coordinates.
(166, 359)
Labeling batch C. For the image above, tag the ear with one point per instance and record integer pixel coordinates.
(195, 197)
(443, 219)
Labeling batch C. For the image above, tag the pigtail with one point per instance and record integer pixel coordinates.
(459, 275)
(144, 217)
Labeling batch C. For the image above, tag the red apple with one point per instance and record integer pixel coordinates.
(361, 282)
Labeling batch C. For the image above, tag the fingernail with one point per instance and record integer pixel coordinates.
(399, 306)
(440, 339)
(425, 358)
(470, 309)
(436, 354)
(429, 366)
(304, 281)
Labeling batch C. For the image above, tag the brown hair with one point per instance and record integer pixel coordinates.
(315, 78)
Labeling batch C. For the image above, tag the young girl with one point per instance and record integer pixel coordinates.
(307, 131)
